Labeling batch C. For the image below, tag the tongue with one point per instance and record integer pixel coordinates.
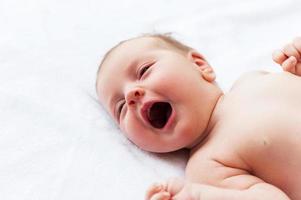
(159, 114)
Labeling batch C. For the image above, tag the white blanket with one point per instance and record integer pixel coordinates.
(56, 141)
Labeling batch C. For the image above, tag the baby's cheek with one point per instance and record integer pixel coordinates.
(174, 83)
(130, 127)
(126, 125)
(165, 86)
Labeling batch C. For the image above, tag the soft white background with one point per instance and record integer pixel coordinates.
(56, 142)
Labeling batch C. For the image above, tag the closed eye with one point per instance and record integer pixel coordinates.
(119, 110)
(143, 69)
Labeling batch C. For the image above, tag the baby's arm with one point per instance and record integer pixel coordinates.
(289, 57)
(214, 181)
(178, 190)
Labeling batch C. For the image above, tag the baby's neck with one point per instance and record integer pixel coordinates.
(207, 134)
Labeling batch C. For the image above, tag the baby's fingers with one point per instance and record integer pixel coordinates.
(297, 44)
(161, 196)
(291, 50)
(289, 65)
(154, 189)
(298, 69)
(279, 57)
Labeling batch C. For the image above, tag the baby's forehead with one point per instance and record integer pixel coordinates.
(136, 46)
(121, 56)
(130, 50)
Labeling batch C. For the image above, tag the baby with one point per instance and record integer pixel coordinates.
(245, 144)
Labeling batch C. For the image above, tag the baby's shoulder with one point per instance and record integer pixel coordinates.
(249, 76)
(252, 74)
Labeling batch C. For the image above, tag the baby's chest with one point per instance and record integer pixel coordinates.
(267, 136)
(263, 117)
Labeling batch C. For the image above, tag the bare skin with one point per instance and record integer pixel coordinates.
(256, 148)
(251, 146)
(259, 137)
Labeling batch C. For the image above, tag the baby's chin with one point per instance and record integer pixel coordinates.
(166, 148)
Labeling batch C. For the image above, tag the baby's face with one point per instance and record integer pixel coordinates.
(157, 95)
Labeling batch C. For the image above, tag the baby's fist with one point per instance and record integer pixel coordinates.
(290, 57)
(165, 190)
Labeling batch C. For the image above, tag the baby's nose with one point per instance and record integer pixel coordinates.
(134, 95)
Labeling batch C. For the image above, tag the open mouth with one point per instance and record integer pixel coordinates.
(158, 114)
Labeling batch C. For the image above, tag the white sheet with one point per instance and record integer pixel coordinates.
(56, 142)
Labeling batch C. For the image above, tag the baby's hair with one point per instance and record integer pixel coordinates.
(168, 40)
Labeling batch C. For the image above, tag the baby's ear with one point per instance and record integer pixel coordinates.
(204, 67)
(196, 58)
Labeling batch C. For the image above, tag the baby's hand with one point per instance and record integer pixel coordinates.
(165, 190)
(173, 189)
(290, 57)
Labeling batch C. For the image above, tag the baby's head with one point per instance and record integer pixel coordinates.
(160, 92)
